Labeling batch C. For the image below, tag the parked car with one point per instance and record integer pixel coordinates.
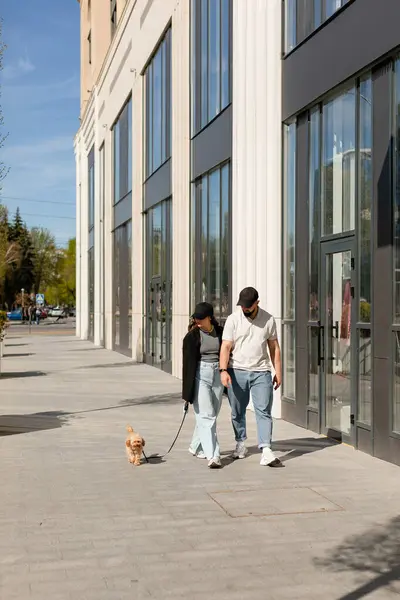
(57, 312)
(72, 312)
(15, 315)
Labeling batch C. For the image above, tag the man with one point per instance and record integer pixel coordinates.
(249, 349)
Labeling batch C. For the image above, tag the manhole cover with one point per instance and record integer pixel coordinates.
(265, 503)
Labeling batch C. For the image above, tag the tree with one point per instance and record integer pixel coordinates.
(9, 251)
(63, 288)
(44, 258)
(3, 168)
(20, 275)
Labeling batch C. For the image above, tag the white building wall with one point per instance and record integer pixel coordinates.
(256, 160)
(256, 154)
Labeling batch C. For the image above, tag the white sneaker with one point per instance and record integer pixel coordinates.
(215, 463)
(268, 459)
(240, 450)
(199, 454)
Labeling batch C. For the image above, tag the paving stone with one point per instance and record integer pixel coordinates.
(78, 522)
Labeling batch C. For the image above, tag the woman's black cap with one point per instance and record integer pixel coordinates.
(203, 310)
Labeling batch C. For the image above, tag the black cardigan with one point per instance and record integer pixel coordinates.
(191, 358)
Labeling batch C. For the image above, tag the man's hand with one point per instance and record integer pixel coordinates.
(277, 382)
(226, 379)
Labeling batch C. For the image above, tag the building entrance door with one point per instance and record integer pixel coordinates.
(338, 381)
(158, 316)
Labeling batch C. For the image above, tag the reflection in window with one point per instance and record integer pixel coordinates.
(122, 134)
(289, 221)
(210, 232)
(158, 314)
(396, 204)
(211, 59)
(158, 107)
(339, 164)
(91, 188)
(313, 366)
(396, 385)
(302, 17)
(365, 197)
(91, 292)
(122, 288)
(314, 212)
(289, 254)
(364, 353)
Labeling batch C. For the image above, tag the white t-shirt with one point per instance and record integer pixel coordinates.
(250, 340)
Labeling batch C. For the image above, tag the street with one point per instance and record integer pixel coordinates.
(77, 521)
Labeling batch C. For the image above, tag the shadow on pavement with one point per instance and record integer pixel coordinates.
(18, 355)
(374, 553)
(22, 374)
(294, 448)
(17, 424)
(15, 345)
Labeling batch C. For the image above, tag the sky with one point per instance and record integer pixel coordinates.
(40, 103)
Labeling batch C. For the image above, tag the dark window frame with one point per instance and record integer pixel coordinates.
(113, 17)
(163, 52)
(196, 241)
(198, 94)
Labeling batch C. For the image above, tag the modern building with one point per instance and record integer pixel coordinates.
(226, 143)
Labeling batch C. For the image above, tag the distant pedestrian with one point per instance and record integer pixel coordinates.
(201, 385)
(250, 348)
(38, 315)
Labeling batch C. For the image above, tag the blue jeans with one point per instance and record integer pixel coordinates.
(206, 405)
(259, 383)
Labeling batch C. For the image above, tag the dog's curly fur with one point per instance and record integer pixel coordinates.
(134, 446)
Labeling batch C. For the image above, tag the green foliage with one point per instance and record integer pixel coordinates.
(44, 258)
(20, 275)
(365, 312)
(3, 324)
(63, 288)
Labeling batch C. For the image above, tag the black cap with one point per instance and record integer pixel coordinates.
(203, 310)
(247, 297)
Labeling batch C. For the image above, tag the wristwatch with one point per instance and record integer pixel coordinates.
(223, 370)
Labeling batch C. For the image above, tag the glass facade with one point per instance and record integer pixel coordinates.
(158, 315)
(210, 240)
(211, 60)
(302, 17)
(122, 255)
(396, 254)
(289, 262)
(158, 107)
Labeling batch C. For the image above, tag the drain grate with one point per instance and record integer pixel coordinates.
(273, 502)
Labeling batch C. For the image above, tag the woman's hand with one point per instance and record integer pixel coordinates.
(226, 379)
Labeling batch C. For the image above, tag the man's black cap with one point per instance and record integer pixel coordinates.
(203, 310)
(247, 297)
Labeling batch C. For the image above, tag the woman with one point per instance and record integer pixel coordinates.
(201, 384)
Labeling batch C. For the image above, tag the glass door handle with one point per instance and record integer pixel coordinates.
(321, 343)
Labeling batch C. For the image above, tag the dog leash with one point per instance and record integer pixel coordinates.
(185, 412)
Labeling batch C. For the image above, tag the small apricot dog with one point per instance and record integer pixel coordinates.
(134, 446)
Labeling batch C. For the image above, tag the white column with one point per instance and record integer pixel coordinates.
(138, 275)
(97, 226)
(108, 238)
(256, 154)
(78, 233)
(180, 179)
(84, 238)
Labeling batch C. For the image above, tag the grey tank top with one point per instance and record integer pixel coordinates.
(209, 347)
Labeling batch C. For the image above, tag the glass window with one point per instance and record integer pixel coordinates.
(364, 353)
(365, 198)
(339, 164)
(210, 232)
(91, 292)
(158, 107)
(122, 134)
(396, 206)
(314, 213)
(289, 221)
(396, 385)
(211, 59)
(302, 17)
(91, 188)
(123, 288)
(289, 256)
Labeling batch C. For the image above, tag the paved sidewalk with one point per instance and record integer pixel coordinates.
(78, 522)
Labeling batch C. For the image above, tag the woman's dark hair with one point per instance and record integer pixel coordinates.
(192, 323)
